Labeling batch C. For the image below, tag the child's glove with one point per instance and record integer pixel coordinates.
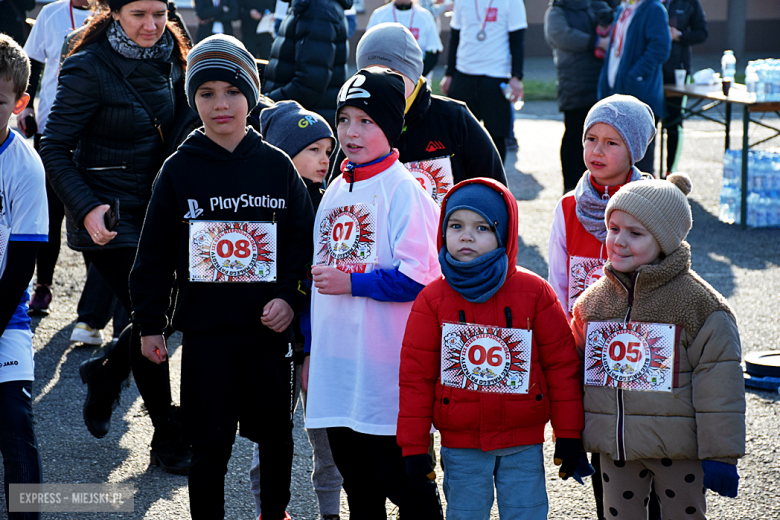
(420, 471)
(721, 477)
(567, 455)
(584, 469)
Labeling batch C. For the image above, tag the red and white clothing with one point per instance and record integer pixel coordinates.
(619, 33)
(356, 341)
(418, 20)
(489, 56)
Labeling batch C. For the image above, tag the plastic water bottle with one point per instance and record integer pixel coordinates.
(507, 91)
(728, 65)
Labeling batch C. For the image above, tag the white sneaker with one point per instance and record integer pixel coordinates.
(83, 333)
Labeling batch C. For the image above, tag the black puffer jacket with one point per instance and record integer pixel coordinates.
(687, 16)
(570, 30)
(100, 143)
(309, 57)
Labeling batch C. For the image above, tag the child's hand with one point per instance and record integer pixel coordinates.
(329, 280)
(153, 348)
(305, 374)
(277, 315)
(420, 471)
(567, 455)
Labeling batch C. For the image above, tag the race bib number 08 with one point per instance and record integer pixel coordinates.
(232, 251)
(633, 356)
(583, 272)
(485, 358)
(434, 175)
(346, 238)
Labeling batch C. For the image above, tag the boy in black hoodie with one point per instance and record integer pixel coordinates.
(231, 219)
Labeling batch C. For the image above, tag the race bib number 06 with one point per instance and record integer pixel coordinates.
(485, 359)
(583, 272)
(435, 176)
(232, 251)
(346, 238)
(633, 356)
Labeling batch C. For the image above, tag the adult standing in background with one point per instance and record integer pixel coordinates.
(12, 18)
(639, 47)
(44, 48)
(420, 23)
(487, 40)
(688, 27)
(215, 17)
(308, 61)
(251, 13)
(570, 30)
(118, 97)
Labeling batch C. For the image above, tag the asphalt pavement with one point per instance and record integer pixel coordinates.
(744, 265)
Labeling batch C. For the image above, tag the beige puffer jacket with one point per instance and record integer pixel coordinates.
(704, 416)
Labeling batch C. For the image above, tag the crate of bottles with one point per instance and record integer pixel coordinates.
(762, 79)
(763, 201)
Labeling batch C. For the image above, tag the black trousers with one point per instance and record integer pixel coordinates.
(572, 162)
(48, 252)
(231, 384)
(484, 98)
(98, 304)
(374, 469)
(673, 113)
(152, 380)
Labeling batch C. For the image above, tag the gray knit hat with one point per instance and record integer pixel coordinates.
(661, 206)
(289, 126)
(391, 45)
(222, 58)
(631, 118)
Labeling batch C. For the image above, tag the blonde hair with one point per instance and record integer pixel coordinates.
(14, 64)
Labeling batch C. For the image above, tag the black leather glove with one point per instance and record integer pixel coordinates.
(420, 471)
(567, 455)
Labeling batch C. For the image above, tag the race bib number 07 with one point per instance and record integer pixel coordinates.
(485, 358)
(583, 272)
(434, 175)
(346, 238)
(633, 356)
(232, 251)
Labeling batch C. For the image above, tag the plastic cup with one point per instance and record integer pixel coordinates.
(726, 84)
(679, 77)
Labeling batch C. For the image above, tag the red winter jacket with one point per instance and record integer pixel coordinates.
(471, 419)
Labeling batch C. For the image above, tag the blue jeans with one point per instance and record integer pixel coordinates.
(469, 476)
(18, 445)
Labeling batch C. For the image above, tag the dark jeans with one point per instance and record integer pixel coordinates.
(572, 162)
(673, 113)
(48, 252)
(18, 445)
(152, 380)
(484, 98)
(374, 468)
(98, 304)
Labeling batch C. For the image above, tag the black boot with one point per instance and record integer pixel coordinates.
(168, 450)
(102, 395)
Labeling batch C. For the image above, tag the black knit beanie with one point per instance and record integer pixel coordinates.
(380, 93)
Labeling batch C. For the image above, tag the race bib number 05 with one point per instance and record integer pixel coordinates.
(633, 356)
(346, 238)
(435, 176)
(232, 251)
(583, 272)
(485, 359)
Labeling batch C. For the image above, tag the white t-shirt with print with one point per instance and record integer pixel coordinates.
(491, 56)
(24, 217)
(356, 341)
(418, 20)
(45, 45)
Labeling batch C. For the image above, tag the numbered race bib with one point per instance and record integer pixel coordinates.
(232, 251)
(583, 272)
(346, 238)
(435, 176)
(633, 356)
(485, 358)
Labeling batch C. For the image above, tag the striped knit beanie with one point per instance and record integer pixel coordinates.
(661, 206)
(222, 58)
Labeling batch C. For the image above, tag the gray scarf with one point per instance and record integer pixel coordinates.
(591, 205)
(124, 45)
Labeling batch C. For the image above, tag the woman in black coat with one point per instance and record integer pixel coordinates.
(118, 97)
